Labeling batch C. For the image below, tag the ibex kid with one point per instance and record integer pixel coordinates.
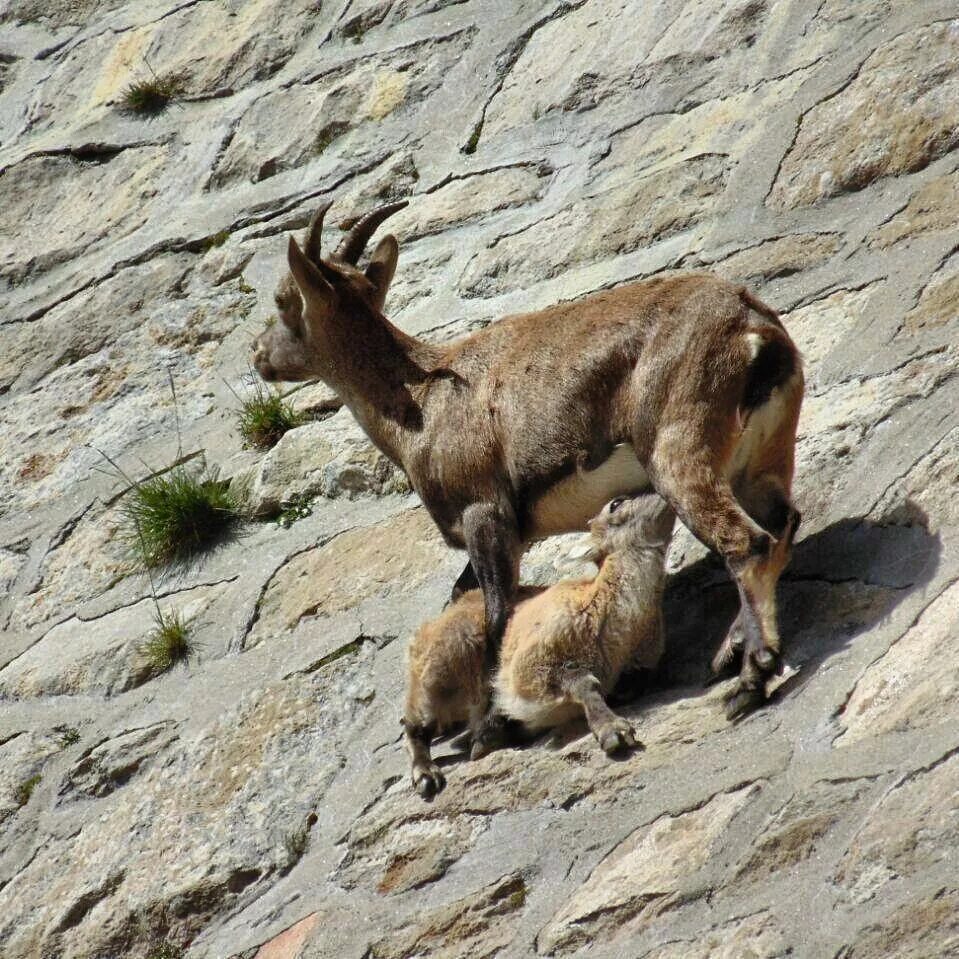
(688, 385)
(564, 647)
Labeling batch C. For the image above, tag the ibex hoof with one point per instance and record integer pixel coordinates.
(428, 781)
(766, 659)
(742, 701)
(618, 736)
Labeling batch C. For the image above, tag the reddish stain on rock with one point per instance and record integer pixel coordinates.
(287, 944)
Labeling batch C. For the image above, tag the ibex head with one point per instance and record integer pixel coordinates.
(321, 300)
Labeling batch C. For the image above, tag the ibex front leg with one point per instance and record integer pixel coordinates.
(494, 548)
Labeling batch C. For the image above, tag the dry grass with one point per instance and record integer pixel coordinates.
(152, 96)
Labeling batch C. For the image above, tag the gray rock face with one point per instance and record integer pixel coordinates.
(255, 801)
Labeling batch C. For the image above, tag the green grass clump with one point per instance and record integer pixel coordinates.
(473, 142)
(168, 644)
(295, 844)
(517, 899)
(23, 792)
(217, 239)
(297, 508)
(69, 736)
(264, 417)
(165, 950)
(177, 515)
(152, 96)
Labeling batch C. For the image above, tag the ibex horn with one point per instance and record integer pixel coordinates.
(354, 242)
(312, 245)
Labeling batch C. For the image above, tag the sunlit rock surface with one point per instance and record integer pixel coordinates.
(255, 802)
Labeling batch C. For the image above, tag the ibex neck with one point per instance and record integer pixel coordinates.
(380, 373)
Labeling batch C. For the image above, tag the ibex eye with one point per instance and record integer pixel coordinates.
(616, 503)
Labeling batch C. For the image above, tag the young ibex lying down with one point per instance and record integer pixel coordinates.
(564, 647)
(688, 385)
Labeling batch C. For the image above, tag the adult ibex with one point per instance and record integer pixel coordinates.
(685, 384)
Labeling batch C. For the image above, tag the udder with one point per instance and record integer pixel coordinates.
(568, 505)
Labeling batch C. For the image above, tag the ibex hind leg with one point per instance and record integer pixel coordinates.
(765, 500)
(691, 476)
(762, 483)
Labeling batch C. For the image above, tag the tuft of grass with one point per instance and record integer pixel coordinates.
(295, 844)
(177, 515)
(68, 736)
(169, 643)
(329, 133)
(297, 508)
(152, 96)
(23, 792)
(217, 239)
(355, 30)
(473, 142)
(264, 417)
(517, 899)
(165, 950)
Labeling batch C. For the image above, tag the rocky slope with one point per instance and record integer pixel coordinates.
(255, 803)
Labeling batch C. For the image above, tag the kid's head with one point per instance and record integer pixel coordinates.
(643, 521)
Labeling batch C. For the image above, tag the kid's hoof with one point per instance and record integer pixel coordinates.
(618, 737)
(742, 701)
(490, 735)
(486, 742)
(428, 781)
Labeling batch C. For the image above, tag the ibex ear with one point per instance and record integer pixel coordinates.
(382, 267)
(313, 286)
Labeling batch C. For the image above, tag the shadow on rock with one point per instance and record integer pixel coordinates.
(842, 581)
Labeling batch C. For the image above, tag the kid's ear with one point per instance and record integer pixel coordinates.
(312, 285)
(382, 267)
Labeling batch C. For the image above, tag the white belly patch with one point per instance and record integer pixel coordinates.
(533, 714)
(570, 504)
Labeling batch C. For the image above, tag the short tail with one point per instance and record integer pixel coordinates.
(777, 361)
(752, 302)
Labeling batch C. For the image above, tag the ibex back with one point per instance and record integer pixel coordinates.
(685, 384)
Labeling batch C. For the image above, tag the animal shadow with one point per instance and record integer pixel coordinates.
(842, 581)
